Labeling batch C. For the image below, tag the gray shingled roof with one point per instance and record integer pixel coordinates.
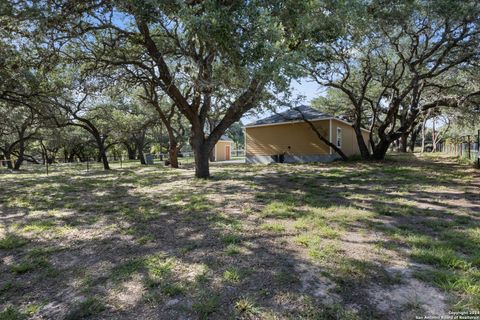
(292, 115)
(225, 138)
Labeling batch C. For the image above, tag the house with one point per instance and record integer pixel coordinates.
(286, 137)
(223, 149)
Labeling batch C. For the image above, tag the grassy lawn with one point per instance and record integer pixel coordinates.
(318, 241)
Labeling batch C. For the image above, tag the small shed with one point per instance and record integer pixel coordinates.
(286, 137)
(223, 149)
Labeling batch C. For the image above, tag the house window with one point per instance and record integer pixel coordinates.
(339, 137)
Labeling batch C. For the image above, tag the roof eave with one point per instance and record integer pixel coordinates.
(299, 121)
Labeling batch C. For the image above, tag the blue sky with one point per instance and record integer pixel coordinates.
(305, 88)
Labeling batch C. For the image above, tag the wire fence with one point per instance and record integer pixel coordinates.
(93, 164)
(467, 148)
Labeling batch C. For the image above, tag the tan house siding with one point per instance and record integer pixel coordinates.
(349, 139)
(275, 139)
(264, 142)
(220, 150)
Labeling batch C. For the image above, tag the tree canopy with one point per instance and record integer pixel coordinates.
(124, 70)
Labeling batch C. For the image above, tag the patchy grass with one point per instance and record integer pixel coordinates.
(232, 249)
(246, 307)
(29, 265)
(273, 227)
(232, 275)
(89, 307)
(206, 305)
(347, 240)
(277, 209)
(11, 241)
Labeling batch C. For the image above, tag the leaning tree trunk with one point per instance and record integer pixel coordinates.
(141, 155)
(21, 156)
(322, 138)
(362, 146)
(102, 153)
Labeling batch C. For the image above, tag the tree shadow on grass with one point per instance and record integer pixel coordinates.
(115, 254)
(189, 249)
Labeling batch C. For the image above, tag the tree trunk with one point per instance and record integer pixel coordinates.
(173, 156)
(424, 124)
(434, 137)
(172, 147)
(141, 156)
(131, 152)
(202, 165)
(102, 153)
(403, 141)
(413, 139)
(380, 150)
(362, 146)
(106, 166)
(201, 150)
(21, 156)
(323, 139)
(8, 159)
